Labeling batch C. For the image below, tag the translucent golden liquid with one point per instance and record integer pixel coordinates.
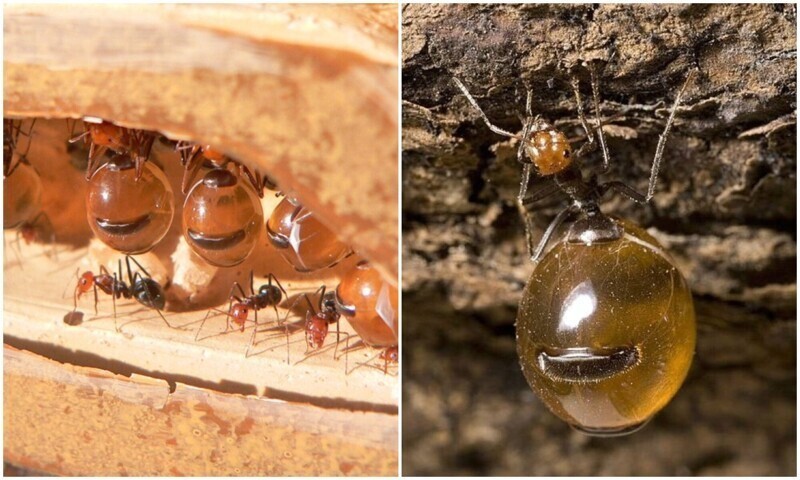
(606, 333)
(309, 245)
(375, 305)
(22, 196)
(115, 196)
(230, 215)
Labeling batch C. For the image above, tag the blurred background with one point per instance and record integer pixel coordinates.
(725, 208)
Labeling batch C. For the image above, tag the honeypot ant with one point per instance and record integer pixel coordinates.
(194, 156)
(103, 136)
(22, 196)
(140, 287)
(239, 306)
(546, 150)
(639, 360)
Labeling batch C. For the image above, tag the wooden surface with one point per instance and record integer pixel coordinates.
(40, 278)
(69, 420)
(306, 93)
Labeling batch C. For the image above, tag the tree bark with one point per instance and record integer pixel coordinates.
(724, 207)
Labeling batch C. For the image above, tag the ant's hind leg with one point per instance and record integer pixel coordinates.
(662, 139)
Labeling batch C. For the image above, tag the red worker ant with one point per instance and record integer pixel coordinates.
(140, 287)
(269, 295)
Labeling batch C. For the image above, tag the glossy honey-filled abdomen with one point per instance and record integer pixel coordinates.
(606, 333)
(127, 214)
(22, 196)
(222, 218)
(371, 305)
(302, 240)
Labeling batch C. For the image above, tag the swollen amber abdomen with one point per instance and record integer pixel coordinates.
(371, 305)
(606, 332)
(222, 218)
(303, 240)
(127, 214)
(22, 196)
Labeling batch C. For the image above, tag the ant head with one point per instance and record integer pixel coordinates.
(106, 134)
(85, 282)
(548, 149)
(390, 355)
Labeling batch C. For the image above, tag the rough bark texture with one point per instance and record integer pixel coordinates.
(725, 208)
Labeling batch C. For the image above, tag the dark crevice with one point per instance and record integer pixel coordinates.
(91, 360)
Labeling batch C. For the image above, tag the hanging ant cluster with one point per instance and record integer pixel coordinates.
(130, 207)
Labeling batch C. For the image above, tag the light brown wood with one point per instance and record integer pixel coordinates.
(71, 420)
(306, 93)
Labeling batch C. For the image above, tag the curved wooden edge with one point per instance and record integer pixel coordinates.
(320, 117)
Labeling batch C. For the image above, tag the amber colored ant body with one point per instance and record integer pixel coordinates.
(222, 217)
(22, 208)
(302, 240)
(103, 136)
(194, 157)
(369, 304)
(140, 287)
(605, 326)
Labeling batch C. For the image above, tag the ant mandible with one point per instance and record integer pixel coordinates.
(605, 327)
(140, 287)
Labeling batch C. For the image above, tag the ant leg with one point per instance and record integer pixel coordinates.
(623, 189)
(253, 336)
(95, 152)
(77, 287)
(200, 328)
(114, 301)
(562, 215)
(544, 192)
(272, 277)
(475, 105)
(596, 101)
(95, 298)
(529, 104)
(253, 180)
(192, 166)
(662, 139)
